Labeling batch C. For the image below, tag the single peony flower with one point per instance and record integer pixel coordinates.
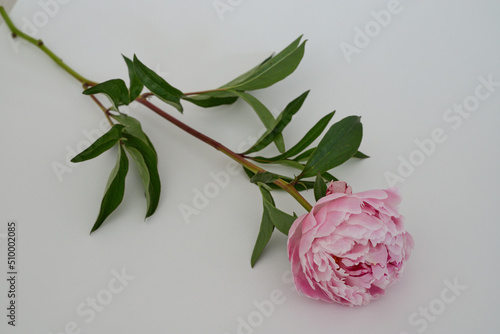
(350, 247)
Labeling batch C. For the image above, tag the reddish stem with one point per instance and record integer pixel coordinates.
(218, 146)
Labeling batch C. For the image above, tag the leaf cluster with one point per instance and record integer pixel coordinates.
(339, 143)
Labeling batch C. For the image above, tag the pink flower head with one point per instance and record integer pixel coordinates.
(350, 247)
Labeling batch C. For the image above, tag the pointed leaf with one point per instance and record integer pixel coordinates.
(281, 122)
(264, 177)
(101, 145)
(147, 163)
(309, 137)
(206, 101)
(134, 128)
(114, 89)
(265, 232)
(360, 155)
(143, 172)
(144, 154)
(266, 195)
(272, 70)
(319, 187)
(281, 220)
(245, 76)
(157, 85)
(265, 116)
(300, 186)
(115, 189)
(305, 155)
(338, 145)
(328, 177)
(290, 163)
(284, 162)
(136, 85)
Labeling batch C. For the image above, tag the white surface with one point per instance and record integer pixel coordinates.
(196, 277)
(8, 5)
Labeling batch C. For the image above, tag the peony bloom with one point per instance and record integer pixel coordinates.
(350, 247)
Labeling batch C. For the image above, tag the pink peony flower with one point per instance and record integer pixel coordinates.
(350, 247)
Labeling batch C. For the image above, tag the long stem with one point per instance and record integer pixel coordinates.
(215, 144)
(218, 146)
(39, 43)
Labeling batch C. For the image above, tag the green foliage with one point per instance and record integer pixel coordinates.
(265, 177)
(319, 187)
(136, 85)
(157, 85)
(338, 145)
(265, 232)
(281, 220)
(101, 145)
(284, 118)
(130, 138)
(265, 116)
(208, 101)
(115, 188)
(309, 137)
(270, 71)
(114, 89)
(360, 155)
(272, 218)
(147, 163)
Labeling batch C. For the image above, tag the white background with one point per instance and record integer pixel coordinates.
(195, 277)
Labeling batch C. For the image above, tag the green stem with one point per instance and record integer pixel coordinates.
(39, 43)
(218, 146)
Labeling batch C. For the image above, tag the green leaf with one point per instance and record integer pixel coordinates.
(300, 186)
(281, 220)
(281, 122)
(207, 101)
(305, 155)
(136, 85)
(144, 154)
(147, 163)
(265, 232)
(360, 155)
(272, 70)
(328, 177)
(101, 145)
(264, 177)
(115, 189)
(265, 116)
(319, 187)
(158, 86)
(290, 163)
(134, 128)
(338, 145)
(284, 162)
(114, 89)
(245, 76)
(309, 137)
